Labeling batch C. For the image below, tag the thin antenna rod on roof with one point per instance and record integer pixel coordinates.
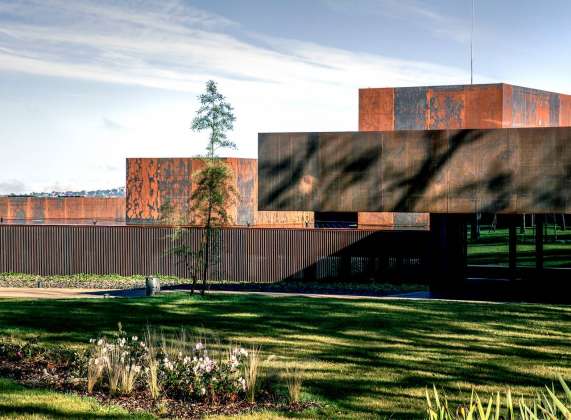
(472, 43)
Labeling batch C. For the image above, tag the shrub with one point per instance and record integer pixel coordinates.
(197, 375)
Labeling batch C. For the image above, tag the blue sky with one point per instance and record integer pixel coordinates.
(86, 83)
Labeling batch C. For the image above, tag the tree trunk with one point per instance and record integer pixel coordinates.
(207, 249)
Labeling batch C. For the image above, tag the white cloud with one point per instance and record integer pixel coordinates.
(170, 48)
(12, 186)
(274, 84)
(423, 14)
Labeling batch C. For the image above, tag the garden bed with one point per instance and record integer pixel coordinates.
(179, 383)
(107, 282)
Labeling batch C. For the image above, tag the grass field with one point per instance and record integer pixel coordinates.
(361, 358)
(17, 402)
(492, 248)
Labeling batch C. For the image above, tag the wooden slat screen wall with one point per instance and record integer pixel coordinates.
(246, 254)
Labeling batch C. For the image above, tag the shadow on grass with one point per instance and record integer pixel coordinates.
(17, 401)
(363, 356)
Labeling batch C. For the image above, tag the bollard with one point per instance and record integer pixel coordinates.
(152, 286)
(40, 284)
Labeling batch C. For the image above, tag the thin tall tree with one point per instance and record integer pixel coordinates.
(212, 189)
(213, 192)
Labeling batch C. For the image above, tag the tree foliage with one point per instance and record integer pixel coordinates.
(215, 115)
(213, 192)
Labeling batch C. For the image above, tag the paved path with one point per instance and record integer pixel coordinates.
(73, 293)
(60, 293)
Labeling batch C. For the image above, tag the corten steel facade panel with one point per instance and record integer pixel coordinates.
(64, 210)
(463, 106)
(565, 111)
(153, 183)
(376, 109)
(525, 170)
(455, 107)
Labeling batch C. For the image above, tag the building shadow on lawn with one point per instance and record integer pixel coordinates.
(351, 350)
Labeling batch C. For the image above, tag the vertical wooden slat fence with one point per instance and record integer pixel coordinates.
(245, 254)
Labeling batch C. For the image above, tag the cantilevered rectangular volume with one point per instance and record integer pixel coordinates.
(516, 170)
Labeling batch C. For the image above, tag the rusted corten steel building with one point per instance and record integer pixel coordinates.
(62, 210)
(153, 183)
(455, 107)
(511, 171)
(463, 106)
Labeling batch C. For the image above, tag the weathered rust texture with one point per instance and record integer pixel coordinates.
(154, 183)
(446, 108)
(393, 221)
(519, 170)
(457, 107)
(246, 254)
(411, 108)
(461, 106)
(565, 111)
(484, 105)
(142, 190)
(64, 210)
(531, 108)
(376, 109)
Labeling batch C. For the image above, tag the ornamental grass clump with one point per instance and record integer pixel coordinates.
(294, 382)
(95, 367)
(545, 406)
(252, 371)
(152, 368)
(120, 360)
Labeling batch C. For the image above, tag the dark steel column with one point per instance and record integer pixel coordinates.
(448, 252)
(539, 218)
(512, 245)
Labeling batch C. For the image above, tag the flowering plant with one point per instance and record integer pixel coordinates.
(197, 375)
(189, 372)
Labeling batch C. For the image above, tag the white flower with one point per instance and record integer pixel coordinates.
(92, 340)
(142, 344)
(203, 390)
(100, 342)
(199, 346)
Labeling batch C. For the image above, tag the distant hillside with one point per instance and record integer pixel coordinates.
(113, 192)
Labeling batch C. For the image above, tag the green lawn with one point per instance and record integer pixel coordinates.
(17, 402)
(492, 248)
(362, 358)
